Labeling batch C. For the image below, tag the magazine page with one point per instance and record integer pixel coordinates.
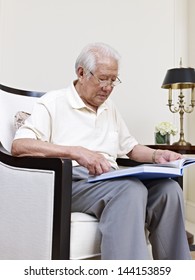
(180, 163)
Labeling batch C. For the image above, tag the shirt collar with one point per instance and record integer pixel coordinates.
(77, 103)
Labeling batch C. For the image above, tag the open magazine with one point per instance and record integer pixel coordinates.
(148, 171)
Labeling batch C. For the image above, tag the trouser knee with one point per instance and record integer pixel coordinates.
(132, 190)
(170, 189)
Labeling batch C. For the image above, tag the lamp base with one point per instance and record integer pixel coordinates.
(181, 143)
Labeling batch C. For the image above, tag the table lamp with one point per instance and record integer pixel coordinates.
(180, 79)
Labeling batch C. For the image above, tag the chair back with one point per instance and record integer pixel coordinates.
(12, 101)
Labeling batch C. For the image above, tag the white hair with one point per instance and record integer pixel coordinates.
(88, 57)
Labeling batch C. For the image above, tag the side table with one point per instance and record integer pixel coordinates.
(181, 150)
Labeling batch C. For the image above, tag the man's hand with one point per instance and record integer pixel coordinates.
(163, 156)
(95, 162)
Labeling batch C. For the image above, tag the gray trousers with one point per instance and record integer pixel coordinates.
(125, 206)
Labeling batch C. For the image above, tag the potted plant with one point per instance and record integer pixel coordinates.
(163, 131)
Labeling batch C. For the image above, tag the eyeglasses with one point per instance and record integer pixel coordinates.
(105, 83)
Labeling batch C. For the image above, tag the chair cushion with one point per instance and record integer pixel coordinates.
(86, 236)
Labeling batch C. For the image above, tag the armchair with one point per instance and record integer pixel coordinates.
(35, 201)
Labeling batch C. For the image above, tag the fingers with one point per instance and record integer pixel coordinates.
(167, 156)
(95, 162)
(99, 167)
(175, 156)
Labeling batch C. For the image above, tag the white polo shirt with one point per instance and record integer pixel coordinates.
(61, 117)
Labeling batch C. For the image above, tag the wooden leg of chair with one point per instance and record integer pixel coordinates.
(190, 238)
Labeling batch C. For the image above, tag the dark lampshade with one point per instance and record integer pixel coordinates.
(179, 78)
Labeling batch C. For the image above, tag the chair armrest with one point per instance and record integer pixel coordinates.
(62, 169)
(128, 162)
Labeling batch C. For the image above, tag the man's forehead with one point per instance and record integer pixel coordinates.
(107, 64)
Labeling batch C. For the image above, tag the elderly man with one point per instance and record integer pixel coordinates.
(81, 123)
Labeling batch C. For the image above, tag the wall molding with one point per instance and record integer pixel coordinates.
(189, 211)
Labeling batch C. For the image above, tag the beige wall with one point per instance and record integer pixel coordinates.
(40, 40)
(191, 124)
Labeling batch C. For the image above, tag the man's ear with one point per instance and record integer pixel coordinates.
(80, 73)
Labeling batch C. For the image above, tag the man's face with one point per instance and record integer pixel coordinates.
(96, 89)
